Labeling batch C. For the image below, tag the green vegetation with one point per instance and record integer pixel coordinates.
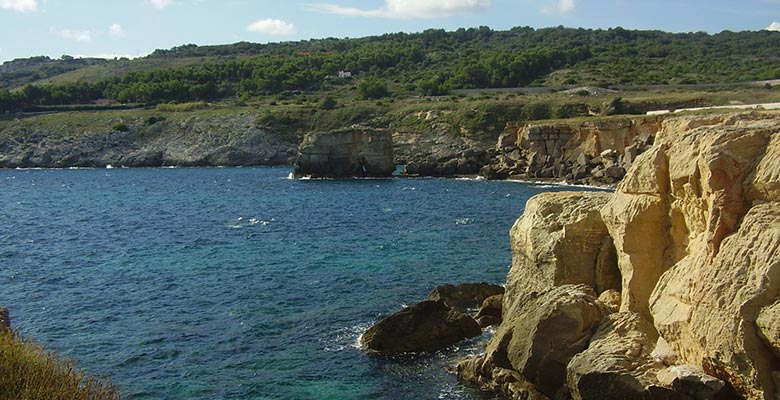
(120, 127)
(430, 63)
(29, 372)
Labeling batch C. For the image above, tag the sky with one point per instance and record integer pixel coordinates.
(134, 28)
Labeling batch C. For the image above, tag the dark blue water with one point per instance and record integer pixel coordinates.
(239, 283)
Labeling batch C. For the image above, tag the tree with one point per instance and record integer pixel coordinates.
(373, 89)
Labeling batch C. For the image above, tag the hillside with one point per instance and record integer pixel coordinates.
(432, 62)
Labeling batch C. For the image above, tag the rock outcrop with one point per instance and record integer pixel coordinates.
(466, 295)
(491, 311)
(688, 248)
(87, 140)
(425, 326)
(541, 332)
(588, 152)
(560, 239)
(354, 152)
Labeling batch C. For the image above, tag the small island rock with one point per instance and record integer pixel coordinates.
(425, 326)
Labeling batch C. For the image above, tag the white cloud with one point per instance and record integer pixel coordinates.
(407, 8)
(561, 7)
(116, 30)
(271, 27)
(774, 26)
(71, 34)
(19, 5)
(160, 3)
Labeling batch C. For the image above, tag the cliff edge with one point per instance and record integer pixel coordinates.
(668, 288)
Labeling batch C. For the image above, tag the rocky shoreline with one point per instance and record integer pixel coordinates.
(576, 152)
(668, 288)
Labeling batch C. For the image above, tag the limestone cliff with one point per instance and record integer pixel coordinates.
(352, 152)
(690, 241)
(596, 152)
(141, 139)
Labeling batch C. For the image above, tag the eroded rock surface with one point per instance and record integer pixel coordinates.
(695, 226)
(540, 333)
(560, 239)
(353, 152)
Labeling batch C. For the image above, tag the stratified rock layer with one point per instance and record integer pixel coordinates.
(353, 152)
(695, 226)
(585, 152)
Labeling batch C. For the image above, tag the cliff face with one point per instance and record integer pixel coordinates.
(690, 242)
(597, 152)
(198, 140)
(345, 153)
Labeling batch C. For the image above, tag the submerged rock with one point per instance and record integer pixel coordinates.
(466, 295)
(425, 326)
(353, 152)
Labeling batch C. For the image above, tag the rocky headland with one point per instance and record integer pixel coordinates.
(668, 288)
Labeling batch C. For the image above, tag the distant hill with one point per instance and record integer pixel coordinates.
(428, 63)
(26, 70)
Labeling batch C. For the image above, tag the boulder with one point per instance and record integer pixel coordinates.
(490, 312)
(425, 326)
(353, 152)
(617, 363)
(694, 383)
(611, 298)
(466, 295)
(540, 334)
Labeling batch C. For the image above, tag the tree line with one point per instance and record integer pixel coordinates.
(430, 63)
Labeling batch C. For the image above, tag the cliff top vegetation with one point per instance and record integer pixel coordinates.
(430, 63)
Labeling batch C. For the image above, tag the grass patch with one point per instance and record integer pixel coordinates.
(29, 372)
(183, 107)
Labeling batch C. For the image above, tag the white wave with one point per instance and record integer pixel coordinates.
(464, 221)
(477, 178)
(346, 338)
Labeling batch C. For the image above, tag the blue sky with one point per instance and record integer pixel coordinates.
(137, 27)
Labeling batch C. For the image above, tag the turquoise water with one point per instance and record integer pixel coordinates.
(238, 283)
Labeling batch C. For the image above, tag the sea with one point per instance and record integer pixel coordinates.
(242, 283)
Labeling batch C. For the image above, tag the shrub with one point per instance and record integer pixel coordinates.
(154, 119)
(372, 89)
(29, 372)
(121, 127)
(327, 103)
(571, 110)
